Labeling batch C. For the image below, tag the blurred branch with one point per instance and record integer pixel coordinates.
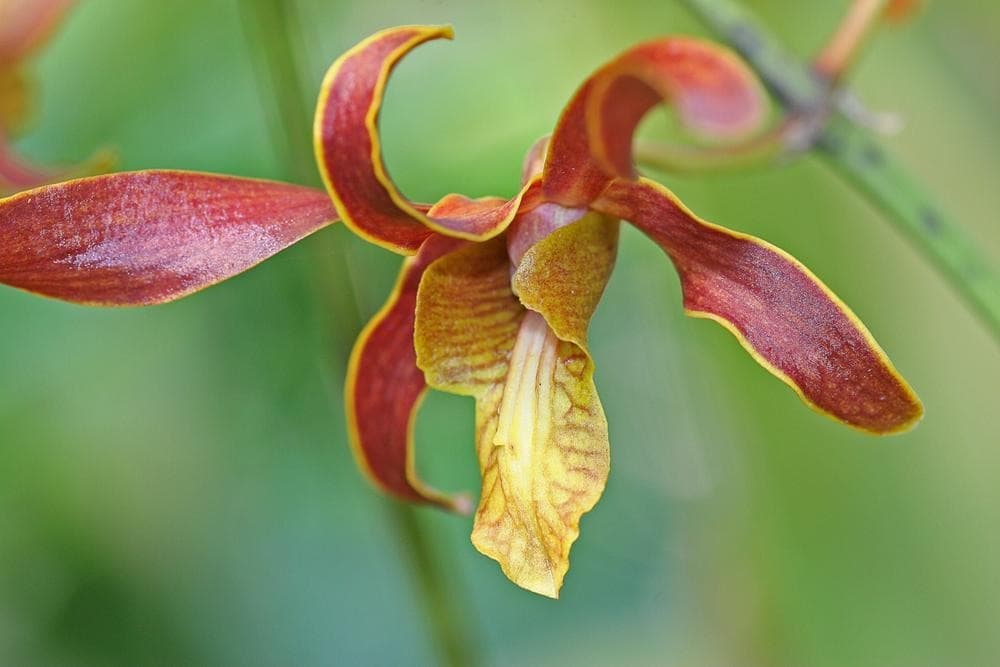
(845, 44)
(269, 26)
(449, 622)
(854, 153)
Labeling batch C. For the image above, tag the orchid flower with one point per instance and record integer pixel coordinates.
(495, 295)
(24, 26)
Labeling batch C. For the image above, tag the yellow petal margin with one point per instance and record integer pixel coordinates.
(787, 319)
(384, 389)
(541, 434)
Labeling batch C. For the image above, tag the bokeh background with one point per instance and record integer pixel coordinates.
(175, 485)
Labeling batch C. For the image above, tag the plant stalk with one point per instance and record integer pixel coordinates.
(845, 45)
(856, 156)
(449, 622)
(270, 25)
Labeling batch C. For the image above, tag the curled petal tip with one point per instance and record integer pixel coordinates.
(715, 94)
(348, 150)
(426, 31)
(347, 143)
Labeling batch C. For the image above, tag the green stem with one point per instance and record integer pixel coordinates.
(450, 623)
(854, 154)
(270, 25)
(269, 28)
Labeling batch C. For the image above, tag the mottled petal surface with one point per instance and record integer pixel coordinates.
(790, 322)
(384, 388)
(714, 93)
(540, 430)
(141, 238)
(563, 276)
(467, 319)
(348, 150)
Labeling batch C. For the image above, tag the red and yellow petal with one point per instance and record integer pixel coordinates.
(348, 148)
(563, 275)
(141, 238)
(384, 388)
(715, 94)
(481, 219)
(544, 455)
(349, 154)
(541, 434)
(467, 319)
(26, 24)
(789, 321)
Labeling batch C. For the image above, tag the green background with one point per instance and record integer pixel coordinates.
(175, 485)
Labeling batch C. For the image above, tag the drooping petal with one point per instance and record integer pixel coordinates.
(348, 150)
(791, 323)
(545, 458)
(141, 238)
(540, 430)
(715, 94)
(384, 388)
(25, 24)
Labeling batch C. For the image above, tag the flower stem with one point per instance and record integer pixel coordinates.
(854, 154)
(845, 44)
(270, 25)
(858, 158)
(450, 623)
